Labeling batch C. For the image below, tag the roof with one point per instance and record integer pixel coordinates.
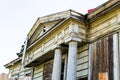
(13, 62)
(103, 8)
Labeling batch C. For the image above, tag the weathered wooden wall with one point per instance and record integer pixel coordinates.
(82, 62)
(38, 73)
(43, 72)
(103, 58)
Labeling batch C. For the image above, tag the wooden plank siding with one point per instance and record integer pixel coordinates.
(103, 58)
(38, 73)
(82, 62)
(43, 71)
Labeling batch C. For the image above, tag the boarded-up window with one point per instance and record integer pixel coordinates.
(47, 72)
(103, 58)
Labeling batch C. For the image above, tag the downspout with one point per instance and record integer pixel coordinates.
(24, 51)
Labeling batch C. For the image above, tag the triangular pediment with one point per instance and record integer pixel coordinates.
(45, 24)
(51, 28)
(42, 29)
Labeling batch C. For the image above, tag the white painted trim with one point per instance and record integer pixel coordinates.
(119, 52)
(71, 28)
(115, 57)
(90, 62)
(118, 19)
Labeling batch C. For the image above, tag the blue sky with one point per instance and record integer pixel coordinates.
(18, 16)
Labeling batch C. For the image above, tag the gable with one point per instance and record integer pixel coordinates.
(41, 29)
(55, 33)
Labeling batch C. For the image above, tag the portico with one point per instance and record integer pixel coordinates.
(72, 43)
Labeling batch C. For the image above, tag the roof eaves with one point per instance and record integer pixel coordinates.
(102, 8)
(13, 62)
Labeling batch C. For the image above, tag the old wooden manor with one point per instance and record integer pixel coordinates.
(71, 46)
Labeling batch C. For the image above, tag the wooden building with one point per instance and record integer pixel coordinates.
(71, 46)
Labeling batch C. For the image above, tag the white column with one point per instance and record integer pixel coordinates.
(115, 57)
(56, 73)
(72, 61)
(119, 52)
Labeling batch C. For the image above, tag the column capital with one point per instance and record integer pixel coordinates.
(73, 43)
(58, 47)
(72, 39)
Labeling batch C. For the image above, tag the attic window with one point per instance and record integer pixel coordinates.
(44, 29)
